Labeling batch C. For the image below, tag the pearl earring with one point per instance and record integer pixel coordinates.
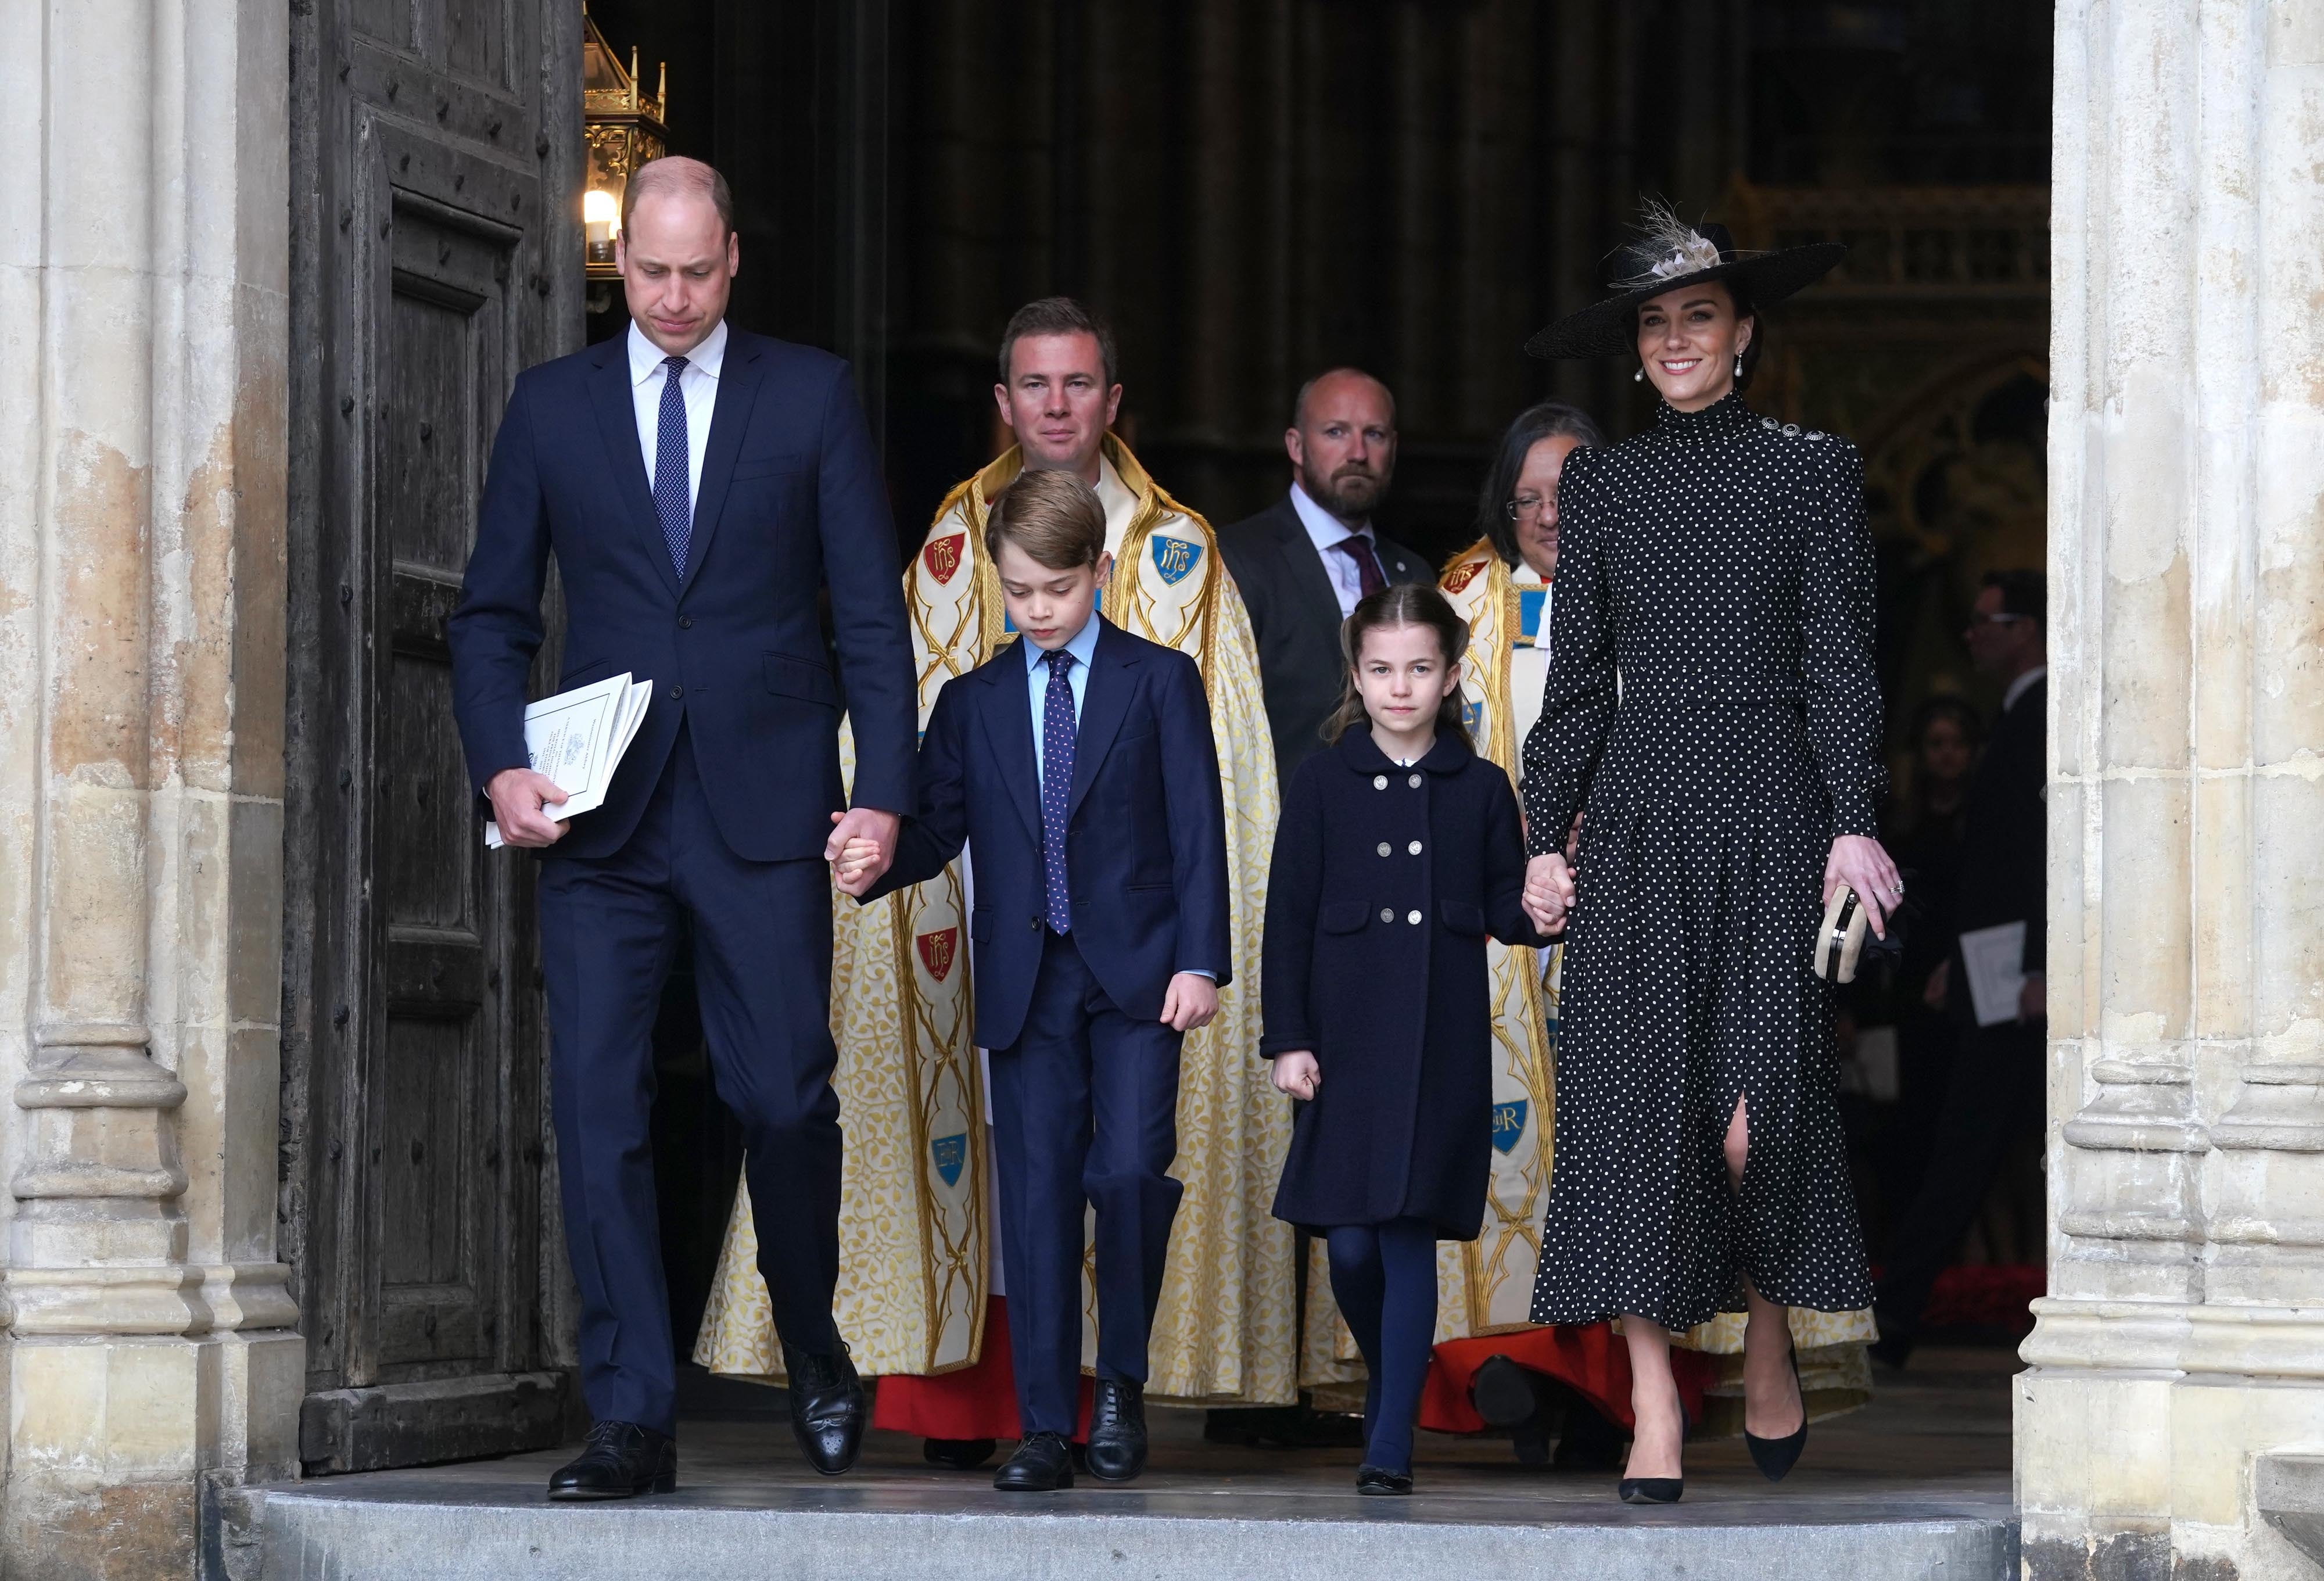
(1639, 377)
(1738, 365)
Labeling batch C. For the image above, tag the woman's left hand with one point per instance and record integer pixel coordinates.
(1858, 862)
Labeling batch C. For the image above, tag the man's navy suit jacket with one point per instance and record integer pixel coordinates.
(1145, 851)
(790, 497)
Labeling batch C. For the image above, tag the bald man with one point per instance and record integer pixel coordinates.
(698, 487)
(1304, 563)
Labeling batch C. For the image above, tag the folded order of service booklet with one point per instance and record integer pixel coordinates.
(577, 738)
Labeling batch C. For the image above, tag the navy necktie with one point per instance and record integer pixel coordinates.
(673, 498)
(1369, 578)
(1057, 729)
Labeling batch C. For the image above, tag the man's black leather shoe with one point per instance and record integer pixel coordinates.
(1042, 1464)
(620, 1460)
(1117, 1434)
(827, 1408)
(957, 1454)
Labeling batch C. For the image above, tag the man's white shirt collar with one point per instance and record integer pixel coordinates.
(646, 357)
(2022, 685)
(1322, 527)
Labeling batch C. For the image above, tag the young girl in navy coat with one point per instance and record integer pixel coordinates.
(1399, 851)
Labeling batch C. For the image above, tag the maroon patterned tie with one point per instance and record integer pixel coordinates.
(1359, 549)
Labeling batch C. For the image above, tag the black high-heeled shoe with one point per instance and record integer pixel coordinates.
(1774, 1457)
(1651, 1490)
(1659, 1490)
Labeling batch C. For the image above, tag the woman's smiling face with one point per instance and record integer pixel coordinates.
(1688, 341)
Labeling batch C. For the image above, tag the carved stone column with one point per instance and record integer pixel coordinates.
(2182, 1341)
(147, 1358)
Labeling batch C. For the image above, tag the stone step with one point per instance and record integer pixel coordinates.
(318, 1535)
(747, 1508)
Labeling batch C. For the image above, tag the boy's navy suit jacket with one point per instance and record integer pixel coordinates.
(1145, 851)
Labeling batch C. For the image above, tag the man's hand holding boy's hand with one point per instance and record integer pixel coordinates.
(1192, 1000)
(862, 847)
(1295, 1073)
(857, 866)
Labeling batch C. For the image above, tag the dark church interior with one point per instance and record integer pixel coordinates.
(1254, 190)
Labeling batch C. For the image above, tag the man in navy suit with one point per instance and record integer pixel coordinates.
(697, 486)
(1077, 766)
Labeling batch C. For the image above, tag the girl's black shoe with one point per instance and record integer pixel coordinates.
(1378, 1479)
(1651, 1490)
(1774, 1457)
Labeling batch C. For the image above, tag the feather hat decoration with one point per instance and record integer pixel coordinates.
(1667, 253)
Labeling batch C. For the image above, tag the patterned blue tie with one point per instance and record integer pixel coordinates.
(1057, 728)
(672, 498)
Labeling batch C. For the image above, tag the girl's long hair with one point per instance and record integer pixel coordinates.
(1400, 603)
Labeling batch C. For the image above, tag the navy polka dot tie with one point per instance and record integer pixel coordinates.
(673, 498)
(1058, 726)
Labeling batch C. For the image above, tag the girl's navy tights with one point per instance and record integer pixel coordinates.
(1384, 1277)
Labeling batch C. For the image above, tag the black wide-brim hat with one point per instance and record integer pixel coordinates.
(1670, 255)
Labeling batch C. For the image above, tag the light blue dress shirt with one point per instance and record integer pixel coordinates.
(1083, 647)
(1037, 675)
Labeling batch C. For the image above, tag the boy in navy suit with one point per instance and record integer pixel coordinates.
(1077, 766)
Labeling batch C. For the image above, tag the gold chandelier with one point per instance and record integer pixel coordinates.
(625, 128)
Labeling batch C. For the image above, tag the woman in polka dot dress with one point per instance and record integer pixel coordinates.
(1713, 714)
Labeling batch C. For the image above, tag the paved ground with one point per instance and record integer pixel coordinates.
(1916, 1484)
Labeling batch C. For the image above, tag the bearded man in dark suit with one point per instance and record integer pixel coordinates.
(1303, 563)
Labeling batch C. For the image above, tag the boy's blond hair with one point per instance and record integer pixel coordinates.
(1053, 516)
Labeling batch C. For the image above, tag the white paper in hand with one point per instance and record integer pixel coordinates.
(1995, 959)
(577, 738)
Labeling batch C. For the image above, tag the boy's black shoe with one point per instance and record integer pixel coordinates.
(1375, 1480)
(957, 1454)
(1042, 1464)
(1117, 1434)
(827, 1408)
(620, 1460)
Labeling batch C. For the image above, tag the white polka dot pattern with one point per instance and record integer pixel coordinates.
(1713, 699)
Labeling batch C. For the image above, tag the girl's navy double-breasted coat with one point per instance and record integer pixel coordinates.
(1386, 884)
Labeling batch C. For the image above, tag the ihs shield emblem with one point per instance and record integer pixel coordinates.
(1175, 557)
(942, 556)
(1508, 1124)
(950, 1152)
(1461, 577)
(936, 951)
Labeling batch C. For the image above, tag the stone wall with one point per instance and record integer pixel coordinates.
(147, 1356)
(2182, 1341)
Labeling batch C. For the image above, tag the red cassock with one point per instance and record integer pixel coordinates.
(980, 1401)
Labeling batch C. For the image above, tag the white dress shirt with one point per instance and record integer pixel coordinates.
(1326, 531)
(2022, 685)
(698, 385)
